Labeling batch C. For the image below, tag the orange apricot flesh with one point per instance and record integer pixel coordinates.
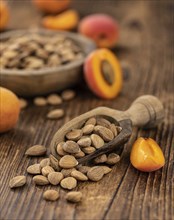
(103, 74)
(4, 15)
(67, 20)
(9, 109)
(146, 155)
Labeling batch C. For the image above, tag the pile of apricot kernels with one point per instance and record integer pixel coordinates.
(51, 6)
(9, 109)
(146, 155)
(103, 74)
(4, 15)
(101, 28)
(67, 20)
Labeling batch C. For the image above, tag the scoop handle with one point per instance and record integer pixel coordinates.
(146, 111)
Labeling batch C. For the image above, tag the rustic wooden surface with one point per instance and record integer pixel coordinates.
(146, 45)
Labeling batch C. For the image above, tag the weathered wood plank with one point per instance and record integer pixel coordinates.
(146, 44)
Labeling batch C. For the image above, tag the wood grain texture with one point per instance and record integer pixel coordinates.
(30, 83)
(146, 44)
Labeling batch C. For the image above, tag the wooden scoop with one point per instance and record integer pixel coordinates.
(146, 111)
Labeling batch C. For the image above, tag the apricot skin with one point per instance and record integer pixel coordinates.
(89, 77)
(101, 28)
(146, 155)
(9, 109)
(51, 6)
(4, 15)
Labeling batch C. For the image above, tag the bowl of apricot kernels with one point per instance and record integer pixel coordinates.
(9, 110)
(32, 82)
(146, 155)
(103, 73)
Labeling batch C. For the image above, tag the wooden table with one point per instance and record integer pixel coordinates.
(146, 45)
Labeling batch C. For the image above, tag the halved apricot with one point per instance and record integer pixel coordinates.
(103, 73)
(146, 155)
(67, 20)
(51, 6)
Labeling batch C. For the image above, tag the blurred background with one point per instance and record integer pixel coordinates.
(142, 43)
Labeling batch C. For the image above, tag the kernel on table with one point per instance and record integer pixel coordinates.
(66, 170)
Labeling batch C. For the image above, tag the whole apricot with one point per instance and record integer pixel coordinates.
(4, 15)
(9, 109)
(103, 73)
(101, 28)
(146, 155)
(67, 20)
(52, 6)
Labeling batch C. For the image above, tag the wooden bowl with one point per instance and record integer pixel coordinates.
(46, 80)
